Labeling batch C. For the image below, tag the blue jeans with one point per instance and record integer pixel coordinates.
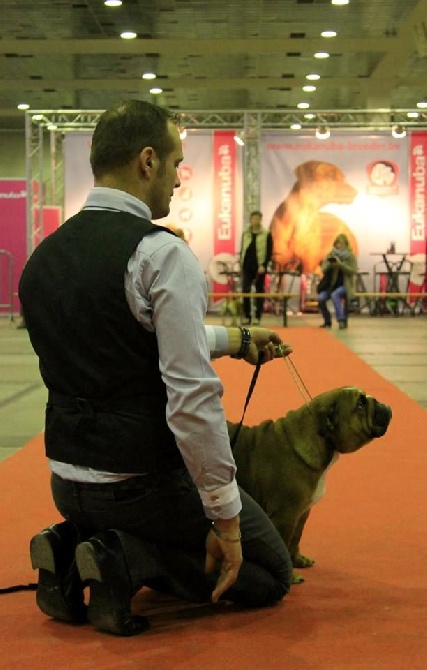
(163, 532)
(337, 296)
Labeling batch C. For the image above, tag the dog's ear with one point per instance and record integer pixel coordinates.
(326, 426)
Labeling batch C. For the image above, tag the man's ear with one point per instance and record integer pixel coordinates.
(146, 161)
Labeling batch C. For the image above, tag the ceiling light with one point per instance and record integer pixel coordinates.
(156, 90)
(309, 116)
(308, 89)
(328, 33)
(303, 105)
(37, 117)
(398, 132)
(313, 77)
(422, 105)
(321, 54)
(322, 133)
(413, 115)
(340, 2)
(296, 126)
(148, 75)
(128, 35)
(112, 3)
(23, 105)
(239, 138)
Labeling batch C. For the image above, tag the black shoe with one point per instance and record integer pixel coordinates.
(326, 325)
(60, 589)
(342, 325)
(102, 563)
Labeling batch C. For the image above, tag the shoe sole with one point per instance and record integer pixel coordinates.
(102, 612)
(49, 596)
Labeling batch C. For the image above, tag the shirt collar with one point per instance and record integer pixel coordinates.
(101, 197)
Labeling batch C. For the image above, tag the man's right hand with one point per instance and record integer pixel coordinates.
(226, 552)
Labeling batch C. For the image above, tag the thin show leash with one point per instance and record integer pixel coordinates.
(279, 350)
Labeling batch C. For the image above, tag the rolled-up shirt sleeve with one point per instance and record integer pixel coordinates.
(166, 291)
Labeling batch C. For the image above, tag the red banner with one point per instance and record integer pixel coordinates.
(224, 204)
(418, 210)
(13, 240)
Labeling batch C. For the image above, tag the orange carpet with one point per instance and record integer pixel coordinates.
(363, 605)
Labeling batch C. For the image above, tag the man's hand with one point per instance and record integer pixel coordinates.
(226, 554)
(267, 341)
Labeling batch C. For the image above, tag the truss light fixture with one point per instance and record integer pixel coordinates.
(413, 115)
(303, 105)
(328, 33)
(183, 133)
(422, 105)
(340, 2)
(52, 126)
(37, 117)
(148, 75)
(323, 133)
(309, 116)
(239, 138)
(296, 126)
(321, 54)
(112, 3)
(308, 88)
(23, 105)
(398, 131)
(313, 77)
(128, 35)
(156, 90)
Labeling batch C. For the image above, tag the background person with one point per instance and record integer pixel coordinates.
(135, 431)
(255, 253)
(339, 269)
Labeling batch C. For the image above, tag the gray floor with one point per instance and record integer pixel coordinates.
(395, 347)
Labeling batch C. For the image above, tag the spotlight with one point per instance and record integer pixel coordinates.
(398, 131)
(239, 138)
(323, 132)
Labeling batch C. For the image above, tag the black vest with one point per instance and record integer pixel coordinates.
(107, 402)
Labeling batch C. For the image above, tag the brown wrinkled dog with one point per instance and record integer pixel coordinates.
(300, 230)
(282, 463)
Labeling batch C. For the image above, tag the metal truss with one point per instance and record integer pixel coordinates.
(361, 119)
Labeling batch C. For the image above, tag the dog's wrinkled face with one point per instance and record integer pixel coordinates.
(350, 418)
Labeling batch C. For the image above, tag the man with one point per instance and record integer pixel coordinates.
(135, 432)
(255, 254)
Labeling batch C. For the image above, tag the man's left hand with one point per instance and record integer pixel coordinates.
(267, 341)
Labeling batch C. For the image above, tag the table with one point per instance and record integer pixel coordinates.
(393, 266)
(393, 263)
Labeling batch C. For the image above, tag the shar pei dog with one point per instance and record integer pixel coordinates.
(282, 464)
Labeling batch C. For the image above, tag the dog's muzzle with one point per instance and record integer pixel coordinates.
(381, 419)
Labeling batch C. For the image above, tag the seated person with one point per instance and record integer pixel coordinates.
(339, 269)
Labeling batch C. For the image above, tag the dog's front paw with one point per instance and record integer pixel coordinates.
(296, 578)
(300, 561)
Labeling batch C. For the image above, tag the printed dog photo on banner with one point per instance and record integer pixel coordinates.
(313, 190)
